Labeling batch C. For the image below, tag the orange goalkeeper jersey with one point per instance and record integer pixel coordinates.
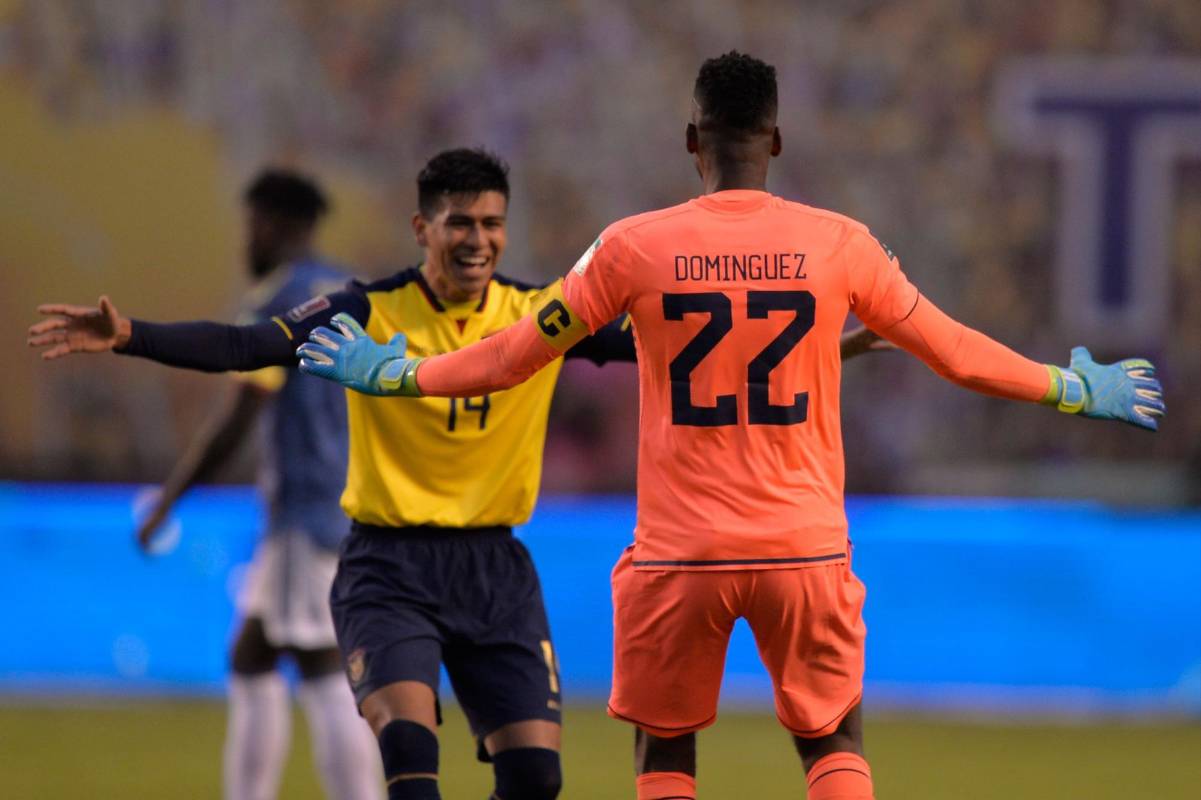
(738, 301)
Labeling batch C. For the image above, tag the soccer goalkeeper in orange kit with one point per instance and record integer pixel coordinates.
(737, 299)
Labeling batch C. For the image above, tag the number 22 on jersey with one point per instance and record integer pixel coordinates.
(760, 411)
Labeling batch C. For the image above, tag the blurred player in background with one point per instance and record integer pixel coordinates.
(284, 605)
(431, 574)
(737, 298)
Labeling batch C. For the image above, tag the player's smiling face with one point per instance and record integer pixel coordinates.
(463, 243)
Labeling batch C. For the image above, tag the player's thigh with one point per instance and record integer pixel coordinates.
(509, 692)
(251, 653)
(500, 659)
(808, 625)
(671, 630)
(381, 604)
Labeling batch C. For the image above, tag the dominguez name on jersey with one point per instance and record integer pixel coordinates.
(741, 267)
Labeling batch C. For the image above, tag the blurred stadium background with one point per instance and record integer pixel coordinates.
(1036, 166)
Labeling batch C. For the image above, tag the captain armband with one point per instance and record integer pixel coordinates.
(557, 324)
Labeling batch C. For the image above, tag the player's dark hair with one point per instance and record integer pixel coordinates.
(288, 194)
(737, 92)
(463, 171)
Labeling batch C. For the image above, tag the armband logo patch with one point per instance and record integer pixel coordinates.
(307, 309)
(581, 266)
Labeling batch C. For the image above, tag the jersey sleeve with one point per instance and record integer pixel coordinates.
(880, 294)
(884, 299)
(267, 379)
(491, 365)
(967, 357)
(597, 289)
(216, 347)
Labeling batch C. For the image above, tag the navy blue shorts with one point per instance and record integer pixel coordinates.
(408, 599)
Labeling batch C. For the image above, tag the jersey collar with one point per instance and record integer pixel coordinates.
(428, 291)
(734, 201)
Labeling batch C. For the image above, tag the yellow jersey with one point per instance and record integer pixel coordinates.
(446, 462)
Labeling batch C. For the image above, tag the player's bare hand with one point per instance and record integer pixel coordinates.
(78, 329)
(860, 340)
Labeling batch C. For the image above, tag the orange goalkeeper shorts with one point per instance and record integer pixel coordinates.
(672, 628)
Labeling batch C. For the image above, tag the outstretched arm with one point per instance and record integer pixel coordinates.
(206, 346)
(1127, 391)
(889, 304)
(211, 449)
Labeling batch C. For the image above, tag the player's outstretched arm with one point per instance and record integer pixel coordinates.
(1126, 391)
(203, 345)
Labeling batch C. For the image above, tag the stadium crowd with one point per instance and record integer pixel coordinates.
(887, 116)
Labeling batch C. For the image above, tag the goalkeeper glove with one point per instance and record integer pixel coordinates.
(352, 358)
(1126, 391)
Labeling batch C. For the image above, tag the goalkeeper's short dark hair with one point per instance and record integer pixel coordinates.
(737, 92)
(463, 171)
(288, 194)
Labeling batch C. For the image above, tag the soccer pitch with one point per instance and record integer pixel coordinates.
(171, 750)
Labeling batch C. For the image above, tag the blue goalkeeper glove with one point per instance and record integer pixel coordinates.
(352, 358)
(1126, 391)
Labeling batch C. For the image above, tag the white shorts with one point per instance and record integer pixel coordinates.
(287, 587)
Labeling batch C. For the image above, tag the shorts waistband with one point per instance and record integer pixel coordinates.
(431, 531)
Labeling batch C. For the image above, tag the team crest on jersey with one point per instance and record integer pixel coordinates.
(308, 308)
(356, 666)
(581, 266)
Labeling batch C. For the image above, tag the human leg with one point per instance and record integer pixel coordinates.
(502, 665)
(809, 628)
(383, 607)
(344, 747)
(834, 765)
(671, 631)
(665, 767)
(404, 717)
(258, 728)
(402, 713)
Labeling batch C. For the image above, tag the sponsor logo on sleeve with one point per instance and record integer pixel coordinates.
(307, 309)
(887, 250)
(581, 266)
